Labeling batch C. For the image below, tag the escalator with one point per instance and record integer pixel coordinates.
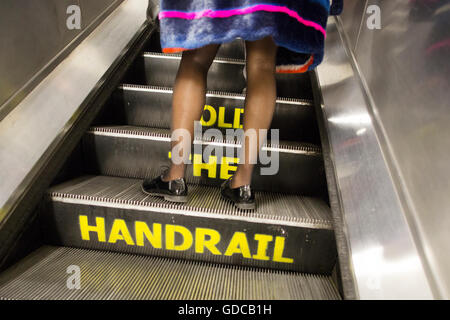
(128, 245)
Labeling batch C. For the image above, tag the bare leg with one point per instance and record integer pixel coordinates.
(260, 100)
(189, 100)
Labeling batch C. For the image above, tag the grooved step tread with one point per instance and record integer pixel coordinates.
(165, 135)
(211, 93)
(272, 208)
(115, 276)
(177, 56)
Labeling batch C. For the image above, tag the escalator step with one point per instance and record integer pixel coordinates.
(113, 276)
(294, 232)
(150, 106)
(224, 75)
(139, 152)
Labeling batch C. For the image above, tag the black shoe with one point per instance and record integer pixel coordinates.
(174, 190)
(242, 197)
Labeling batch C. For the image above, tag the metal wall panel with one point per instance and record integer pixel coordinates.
(385, 260)
(33, 33)
(92, 9)
(352, 18)
(405, 65)
(403, 72)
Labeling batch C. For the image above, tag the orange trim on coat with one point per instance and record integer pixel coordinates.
(173, 50)
(301, 69)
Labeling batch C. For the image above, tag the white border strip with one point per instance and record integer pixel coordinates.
(211, 94)
(140, 136)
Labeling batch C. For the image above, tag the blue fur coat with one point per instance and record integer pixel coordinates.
(298, 27)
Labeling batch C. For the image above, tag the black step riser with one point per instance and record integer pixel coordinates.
(311, 250)
(159, 70)
(233, 50)
(142, 158)
(151, 107)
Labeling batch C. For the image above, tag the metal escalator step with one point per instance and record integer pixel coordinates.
(150, 106)
(140, 152)
(224, 75)
(114, 276)
(287, 232)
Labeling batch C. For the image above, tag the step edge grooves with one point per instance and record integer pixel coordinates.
(212, 93)
(171, 209)
(177, 56)
(155, 136)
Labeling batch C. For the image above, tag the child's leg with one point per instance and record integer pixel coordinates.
(260, 101)
(189, 100)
